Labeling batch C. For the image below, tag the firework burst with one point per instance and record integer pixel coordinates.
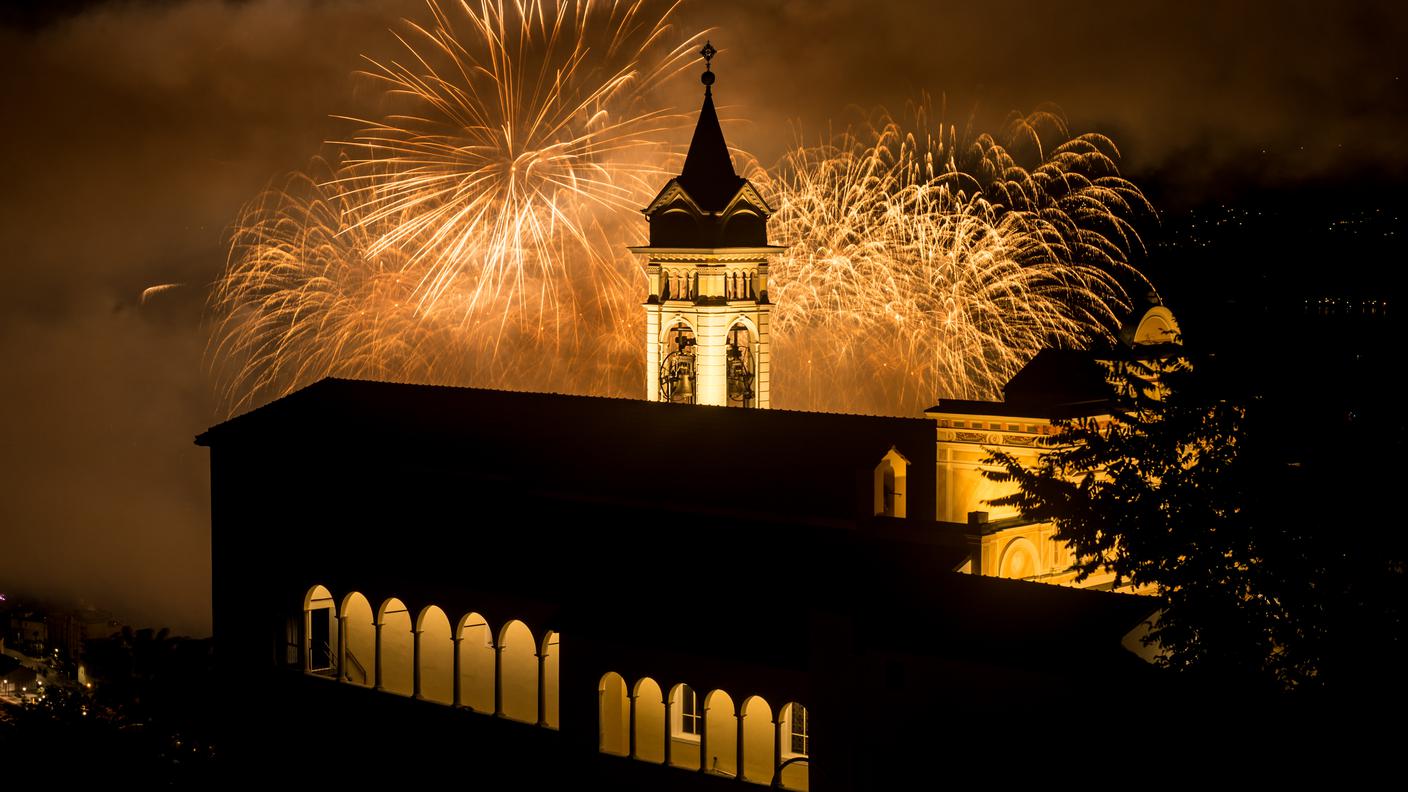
(919, 268)
(468, 235)
(474, 232)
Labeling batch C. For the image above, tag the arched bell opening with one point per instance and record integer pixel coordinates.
(677, 365)
(740, 361)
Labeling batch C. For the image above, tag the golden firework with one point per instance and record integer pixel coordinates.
(468, 235)
(474, 233)
(919, 267)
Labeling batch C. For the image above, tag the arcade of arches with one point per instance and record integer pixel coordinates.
(512, 674)
(745, 739)
(509, 673)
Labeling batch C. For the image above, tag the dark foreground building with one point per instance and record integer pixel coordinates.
(543, 591)
(482, 589)
(547, 589)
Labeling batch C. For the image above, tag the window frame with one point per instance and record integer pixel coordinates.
(677, 714)
(789, 735)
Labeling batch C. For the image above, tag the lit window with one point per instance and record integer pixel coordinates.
(890, 485)
(689, 718)
(797, 728)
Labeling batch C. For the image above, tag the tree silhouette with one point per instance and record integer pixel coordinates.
(1164, 492)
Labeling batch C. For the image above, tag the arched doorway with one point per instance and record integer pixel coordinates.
(551, 660)
(720, 743)
(359, 631)
(396, 648)
(650, 721)
(436, 656)
(319, 632)
(758, 735)
(613, 715)
(518, 673)
(476, 648)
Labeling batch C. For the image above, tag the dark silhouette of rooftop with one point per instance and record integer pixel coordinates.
(818, 465)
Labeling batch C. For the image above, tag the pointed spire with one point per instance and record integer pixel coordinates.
(708, 174)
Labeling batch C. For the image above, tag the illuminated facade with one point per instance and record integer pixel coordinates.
(1056, 384)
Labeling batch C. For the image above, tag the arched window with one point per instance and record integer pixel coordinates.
(674, 228)
(890, 480)
(686, 724)
(739, 366)
(1019, 560)
(745, 229)
(794, 734)
(677, 365)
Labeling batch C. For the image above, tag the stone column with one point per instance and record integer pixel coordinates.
(379, 664)
(703, 710)
(738, 755)
(456, 698)
(669, 727)
(777, 721)
(631, 739)
(498, 678)
(342, 650)
(415, 664)
(543, 688)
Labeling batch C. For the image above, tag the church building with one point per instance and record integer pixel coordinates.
(415, 583)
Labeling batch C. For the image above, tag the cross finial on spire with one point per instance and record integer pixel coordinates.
(708, 76)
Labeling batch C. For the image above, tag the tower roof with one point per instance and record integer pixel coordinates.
(708, 174)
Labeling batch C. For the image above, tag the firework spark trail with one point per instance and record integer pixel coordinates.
(524, 123)
(308, 295)
(472, 235)
(477, 235)
(922, 268)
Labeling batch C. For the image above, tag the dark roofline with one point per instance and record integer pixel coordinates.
(333, 384)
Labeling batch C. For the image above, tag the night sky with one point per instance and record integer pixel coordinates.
(134, 131)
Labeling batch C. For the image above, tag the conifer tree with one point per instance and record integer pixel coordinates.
(1160, 491)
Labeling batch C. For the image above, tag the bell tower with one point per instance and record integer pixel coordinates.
(707, 317)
